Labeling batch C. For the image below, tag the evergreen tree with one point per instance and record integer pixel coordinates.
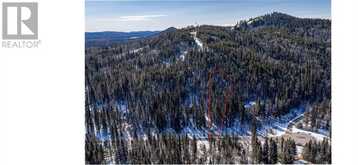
(272, 158)
(317, 152)
(255, 144)
(194, 150)
(288, 152)
(265, 151)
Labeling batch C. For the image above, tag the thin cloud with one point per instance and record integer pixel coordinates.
(140, 17)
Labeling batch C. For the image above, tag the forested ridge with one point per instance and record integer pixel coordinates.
(144, 95)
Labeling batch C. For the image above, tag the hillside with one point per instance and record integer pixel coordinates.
(209, 86)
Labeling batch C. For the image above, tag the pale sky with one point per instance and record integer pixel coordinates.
(142, 15)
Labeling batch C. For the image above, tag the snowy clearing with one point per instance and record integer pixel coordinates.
(198, 42)
(317, 136)
(274, 127)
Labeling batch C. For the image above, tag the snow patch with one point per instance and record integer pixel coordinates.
(300, 162)
(191, 100)
(167, 63)
(183, 55)
(299, 150)
(249, 104)
(122, 106)
(317, 136)
(198, 42)
(136, 50)
(254, 20)
(278, 126)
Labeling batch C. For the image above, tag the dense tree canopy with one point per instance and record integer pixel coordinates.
(166, 82)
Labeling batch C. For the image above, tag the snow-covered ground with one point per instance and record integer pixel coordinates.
(249, 104)
(300, 162)
(271, 126)
(274, 127)
(287, 125)
(136, 50)
(317, 136)
(204, 143)
(323, 131)
(191, 100)
(122, 106)
(167, 63)
(198, 42)
(120, 55)
(253, 20)
(183, 55)
(299, 150)
(193, 131)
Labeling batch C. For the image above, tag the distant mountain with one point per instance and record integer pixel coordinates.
(171, 29)
(106, 38)
(281, 20)
(316, 29)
